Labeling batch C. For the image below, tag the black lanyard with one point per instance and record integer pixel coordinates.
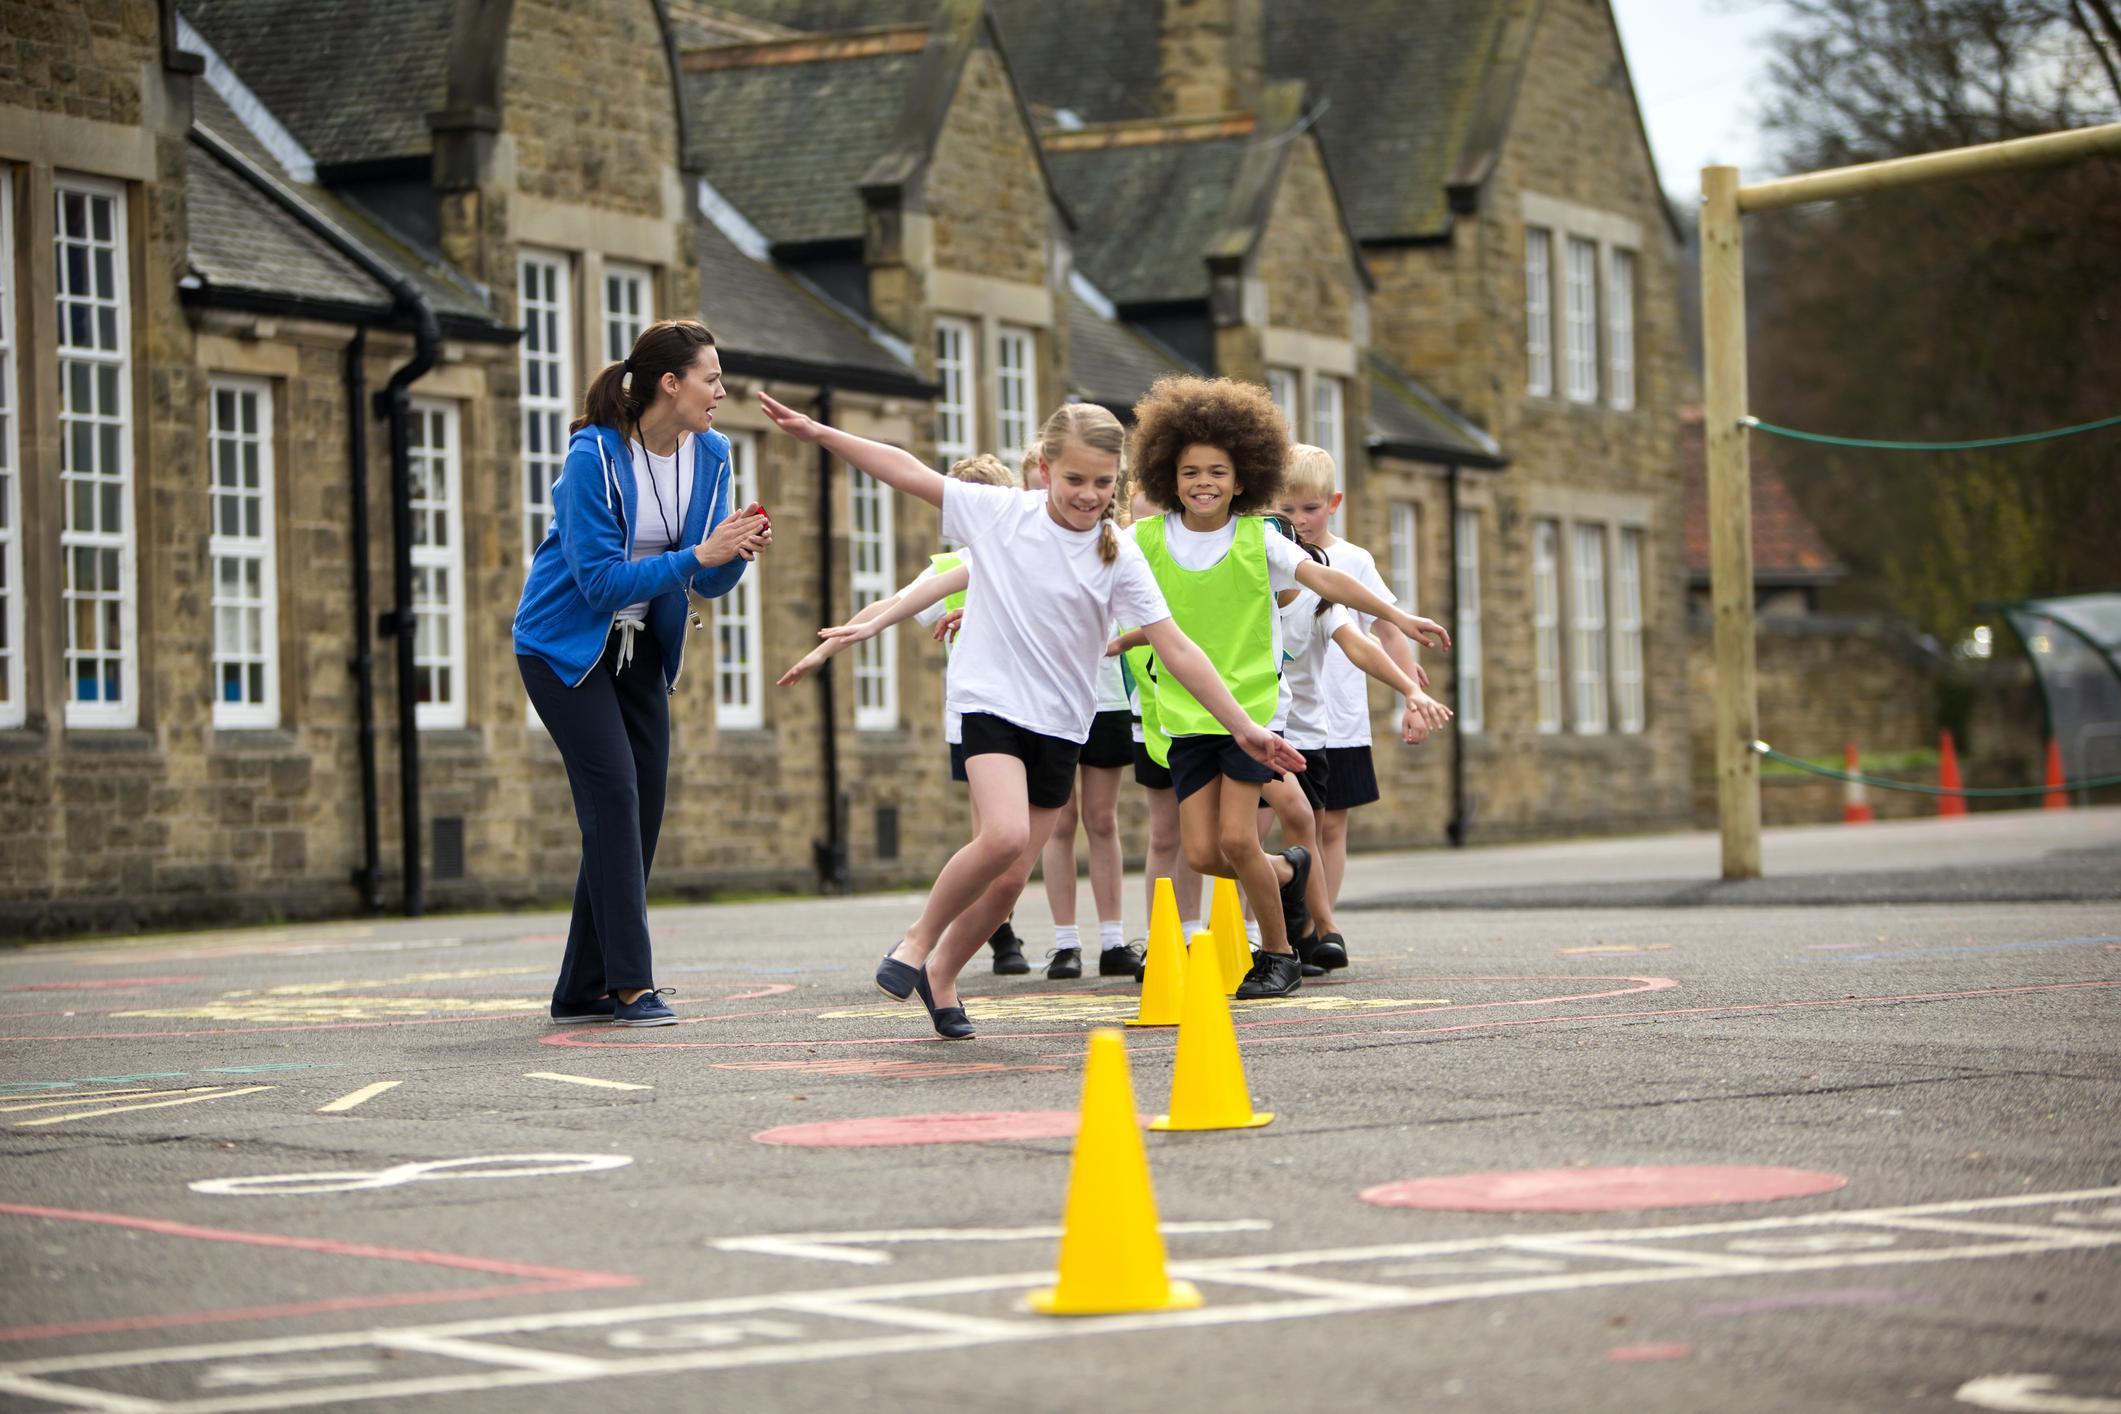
(677, 470)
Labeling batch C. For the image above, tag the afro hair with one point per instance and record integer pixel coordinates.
(1237, 418)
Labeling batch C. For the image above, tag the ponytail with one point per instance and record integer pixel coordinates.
(622, 391)
(1108, 537)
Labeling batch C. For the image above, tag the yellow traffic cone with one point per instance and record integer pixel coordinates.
(1208, 1082)
(1164, 969)
(1111, 1254)
(1226, 920)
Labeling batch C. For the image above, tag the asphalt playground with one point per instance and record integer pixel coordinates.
(1580, 1128)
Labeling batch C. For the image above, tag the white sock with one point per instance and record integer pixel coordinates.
(1066, 936)
(1110, 934)
(1252, 931)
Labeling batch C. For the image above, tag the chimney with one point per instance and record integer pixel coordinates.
(1210, 56)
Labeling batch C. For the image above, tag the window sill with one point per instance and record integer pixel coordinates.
(241, 740)
(113, 739)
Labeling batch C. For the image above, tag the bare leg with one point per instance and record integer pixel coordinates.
(1333, 850)
(1058, 861)
(1219, 824)
(964, 937)
(1299, 827)
(998, 803)
(1167, 860)
(1097, 792)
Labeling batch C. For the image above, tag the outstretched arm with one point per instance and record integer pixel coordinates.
(1198, 676)
(896, 468)
(1423, 713)
(1338, 587)
(1395, 645)
(899, 607)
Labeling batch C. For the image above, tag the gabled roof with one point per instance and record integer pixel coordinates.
(1787, 547)
(353, 82)
(1407, 420)
(1157, 207)
(766, 322)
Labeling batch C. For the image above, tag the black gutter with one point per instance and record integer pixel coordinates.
(374, 316)
(829, 853)
(776, 368)
(368, 879)
(394, 401)
(1461, 817)
(1446, 453)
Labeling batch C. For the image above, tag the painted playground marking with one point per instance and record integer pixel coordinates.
(853, 1247)
(359, 1097)
(885, 1131)
(881, 1069)
(584, 1080)
(1606, 1190)
(839, 1322)
(1096, 1007)
(436, 1170)
(2031, 1394)
(143, 1100)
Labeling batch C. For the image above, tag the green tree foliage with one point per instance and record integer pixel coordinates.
(1969, 309)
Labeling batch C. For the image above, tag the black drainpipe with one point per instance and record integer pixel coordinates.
(394, 402)
(369, 877)
(1455, 831)
(830, 853)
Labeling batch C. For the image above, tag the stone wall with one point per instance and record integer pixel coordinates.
(1305, 259)
(589, 103)
(983, 189)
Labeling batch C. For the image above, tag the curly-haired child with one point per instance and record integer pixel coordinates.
(1210, 454)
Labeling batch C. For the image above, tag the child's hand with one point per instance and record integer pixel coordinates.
(946, 627)
(795, 424)
(840, 635)
(1424, 714)
(1270, 750)
(800, 669)
(1116, 647)
(1427, 632)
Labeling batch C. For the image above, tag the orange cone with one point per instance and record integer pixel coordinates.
(2055, 799)
(1855, 800)
(1948, 777)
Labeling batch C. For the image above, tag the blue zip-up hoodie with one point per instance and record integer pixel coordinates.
(581, 574)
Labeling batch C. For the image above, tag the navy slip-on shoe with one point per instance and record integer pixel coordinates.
(645, 1010)
(950, 1022)
(599, 1009)
(896, 979)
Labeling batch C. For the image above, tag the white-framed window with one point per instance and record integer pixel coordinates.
(629, 301)
(246, 651)
(437, 565)
(1465, 647)
(872, 575)
(1329, 403)
(95, 454)
(1406, 560)
(1546, 622)
(1581, 288)
(1539, 311)
(739, 689)
(545, 355)
(1588, 631)
(1620, 328)
(1283, 385)
(1015, 390)
(1628, 704)
(956, 416)
(13, 703)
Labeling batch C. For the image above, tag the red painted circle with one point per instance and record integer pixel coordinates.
(973, 1127)
(1622, 1190)
(1631, 1354)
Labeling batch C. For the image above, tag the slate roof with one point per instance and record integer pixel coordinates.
(1151, 213)
(1111, 363)
(1408, 420)
(353, 82)
(760, 316)
(789, 144)
(241, 241)
(1787, 547)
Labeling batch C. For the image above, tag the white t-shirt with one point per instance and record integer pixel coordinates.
(953, 722)
(1204, 550)
(1347, 686)
(1034, 641)
(1308, 634)
(662, 489)
(1112, 683)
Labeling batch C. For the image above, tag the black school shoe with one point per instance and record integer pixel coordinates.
(1009, 958)
(1067, 963)
(1330, 952)
(1273, 974)
(1303, 955)
(1120, 962)
(1295, 913)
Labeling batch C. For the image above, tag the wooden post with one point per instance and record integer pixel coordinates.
(1730, 521)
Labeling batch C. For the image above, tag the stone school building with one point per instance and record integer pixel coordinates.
(297, 300)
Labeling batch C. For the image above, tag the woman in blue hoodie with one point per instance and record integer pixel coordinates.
(641, 517)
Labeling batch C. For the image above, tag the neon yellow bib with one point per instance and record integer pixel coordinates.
(1228, 610)
(942, 564)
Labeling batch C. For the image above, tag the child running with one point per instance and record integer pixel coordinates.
(985, 469)
(1165, 859)
(1309, 499)
(1024, 675)
(1210, 453)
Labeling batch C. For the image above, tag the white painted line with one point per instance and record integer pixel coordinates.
(155, 1105)
(848, 1246)
(2030, 1394)
(483, 1353)
(359, 1097)
(914, 1317)
(1623, 1252)
(75, 1395)
(1955, 1225)
(583, 1080)
(74, 1101)
(1289, 1284)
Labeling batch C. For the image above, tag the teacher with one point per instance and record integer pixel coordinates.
(641, 515)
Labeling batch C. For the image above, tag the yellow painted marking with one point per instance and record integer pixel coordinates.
(358, 1097)
(68, 1101)
(155, 1105)
(1615, 949)
(1087, 1008)
(583, 1080)
(298, 1009)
